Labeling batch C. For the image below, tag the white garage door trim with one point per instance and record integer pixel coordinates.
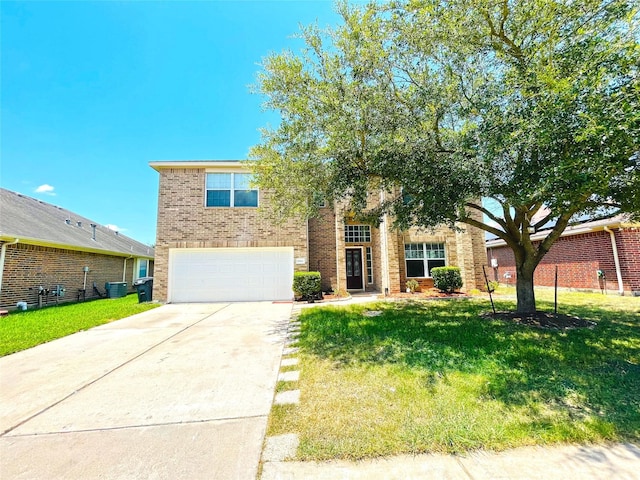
(230, 274)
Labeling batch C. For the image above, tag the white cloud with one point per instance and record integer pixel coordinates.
(46, 189)
(115, 228)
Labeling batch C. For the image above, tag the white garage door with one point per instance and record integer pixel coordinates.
(230, 274)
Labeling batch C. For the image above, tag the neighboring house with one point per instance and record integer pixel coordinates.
(214, 245)
(594, 255)
(45, 248)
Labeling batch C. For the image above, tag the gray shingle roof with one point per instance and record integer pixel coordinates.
(35, 221)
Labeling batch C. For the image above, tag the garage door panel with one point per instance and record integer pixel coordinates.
(230, 274)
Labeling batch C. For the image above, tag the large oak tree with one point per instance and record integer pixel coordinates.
(534, 105)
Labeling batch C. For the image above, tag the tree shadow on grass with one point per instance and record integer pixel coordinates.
(581, 373)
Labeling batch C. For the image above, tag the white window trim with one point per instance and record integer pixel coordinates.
(136, 273)
(425, 260)
(369, 255)
(232, 190)
(360, 235)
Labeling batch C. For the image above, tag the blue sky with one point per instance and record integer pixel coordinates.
(91, 92)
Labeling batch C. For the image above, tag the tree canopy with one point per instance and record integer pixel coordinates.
(533, 104)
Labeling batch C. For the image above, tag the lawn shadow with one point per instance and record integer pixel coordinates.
(583, 373)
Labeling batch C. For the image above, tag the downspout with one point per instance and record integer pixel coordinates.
(616, 260)
(3, 252)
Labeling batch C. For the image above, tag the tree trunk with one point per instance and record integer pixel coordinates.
(524, 287)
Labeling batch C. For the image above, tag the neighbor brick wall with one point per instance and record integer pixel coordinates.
(578, 258)
(184, 222)
(628, 242)
(29, 266)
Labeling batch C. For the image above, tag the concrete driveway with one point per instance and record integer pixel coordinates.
(181, 391)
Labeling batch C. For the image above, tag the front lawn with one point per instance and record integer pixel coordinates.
(22, 330)
(434, 376)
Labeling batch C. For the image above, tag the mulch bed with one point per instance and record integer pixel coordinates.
(543, 320)
(431, 293)
(325, 298)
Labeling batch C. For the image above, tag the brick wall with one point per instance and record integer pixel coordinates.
(322, 247)
(341, 219)
(184, 222)
(29, 266)
(578, 258)
(474, 251)
(464, 249)
(628, 242)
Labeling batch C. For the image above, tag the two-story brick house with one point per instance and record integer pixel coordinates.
(213, 244)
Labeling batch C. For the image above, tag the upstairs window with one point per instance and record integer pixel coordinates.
(357, 233)
(420, 258)
(230, 190)
(319, 200)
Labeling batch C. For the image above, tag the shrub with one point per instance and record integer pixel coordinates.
(446, 279)
(307, 285)
(493, 285)
(413, 285)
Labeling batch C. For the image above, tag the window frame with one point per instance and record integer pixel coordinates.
(319, 200)
(361, 235)
(139, 264)
(426, 257)
(232, 191)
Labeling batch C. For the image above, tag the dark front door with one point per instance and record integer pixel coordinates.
(354, 269)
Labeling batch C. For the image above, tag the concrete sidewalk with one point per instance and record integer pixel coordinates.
(181, 391)
(619, 462)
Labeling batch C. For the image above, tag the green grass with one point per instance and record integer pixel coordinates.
(436, 377)
(22, 330)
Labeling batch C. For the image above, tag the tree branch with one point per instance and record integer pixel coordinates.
(511, 227)
(555, 233)
(544, 220)
(488, 213)
(512, 49)
(498, 233)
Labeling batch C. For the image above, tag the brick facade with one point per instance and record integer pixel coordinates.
(464, 249)
(578, 258)
(185, 222)
(28, 267)
(322, 247)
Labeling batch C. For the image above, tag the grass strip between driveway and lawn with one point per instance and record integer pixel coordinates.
(21, 330)
(435, 376)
